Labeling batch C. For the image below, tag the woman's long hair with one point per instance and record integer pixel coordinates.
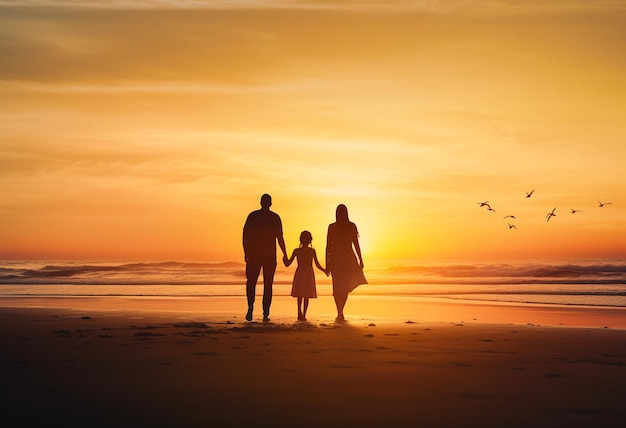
(341, 214)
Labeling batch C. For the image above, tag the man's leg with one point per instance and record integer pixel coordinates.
(253, 268)
(269, 268)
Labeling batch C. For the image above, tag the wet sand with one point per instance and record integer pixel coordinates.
(187, 362)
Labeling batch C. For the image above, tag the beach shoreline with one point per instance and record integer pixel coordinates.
(119, 361)
(360, 307)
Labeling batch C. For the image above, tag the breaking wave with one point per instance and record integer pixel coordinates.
(591, 284)
(224, 273)
(124, 274)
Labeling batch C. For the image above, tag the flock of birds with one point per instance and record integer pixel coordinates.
(548, 216)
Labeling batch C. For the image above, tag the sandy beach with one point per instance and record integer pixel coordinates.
(187, 362)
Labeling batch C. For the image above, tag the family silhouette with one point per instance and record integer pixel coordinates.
(344, 263)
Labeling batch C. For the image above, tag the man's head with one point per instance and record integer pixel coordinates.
(266, 201)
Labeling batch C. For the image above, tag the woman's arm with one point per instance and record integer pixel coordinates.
(357, 247)
(328, 245)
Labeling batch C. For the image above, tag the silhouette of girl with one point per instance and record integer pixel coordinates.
(342, 242)
(304, 279)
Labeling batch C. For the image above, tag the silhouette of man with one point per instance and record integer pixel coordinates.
(262, 230)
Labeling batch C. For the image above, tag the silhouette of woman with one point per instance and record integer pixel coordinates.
(342, 241)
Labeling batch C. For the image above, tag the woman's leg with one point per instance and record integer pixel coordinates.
(305, 308)
(340, 302)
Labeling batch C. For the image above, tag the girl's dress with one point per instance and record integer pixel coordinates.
(304, 278)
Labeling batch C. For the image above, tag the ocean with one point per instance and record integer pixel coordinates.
(580, 282)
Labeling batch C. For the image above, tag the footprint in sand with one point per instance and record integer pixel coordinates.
(191, 324)
(191, 334)
(145, 335)
(148, 327)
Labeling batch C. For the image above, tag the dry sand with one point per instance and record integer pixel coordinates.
(185, 362)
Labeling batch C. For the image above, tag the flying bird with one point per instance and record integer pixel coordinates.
(512, 226)
(529, 194)
(486, 204)
(601, 204)
(508, 216)
(550, 214)
(575, 211)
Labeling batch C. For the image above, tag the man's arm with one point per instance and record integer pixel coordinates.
(245, 253)
(244, 240)
(281, 244)
(280, 239)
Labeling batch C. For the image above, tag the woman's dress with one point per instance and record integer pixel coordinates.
(304, 278)
(342, 262)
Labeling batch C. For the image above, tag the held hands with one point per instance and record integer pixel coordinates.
(285, 260)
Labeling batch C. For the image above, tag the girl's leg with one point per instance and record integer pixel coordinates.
(300, 316)
(305, 308)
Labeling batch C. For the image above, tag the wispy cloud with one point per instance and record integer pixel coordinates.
(243, 4)
(436, 6)
(75, 47)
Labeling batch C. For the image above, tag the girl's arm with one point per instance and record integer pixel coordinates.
(317, 263)
(289, 261)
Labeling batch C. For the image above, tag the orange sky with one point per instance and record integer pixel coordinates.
(149, 129)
